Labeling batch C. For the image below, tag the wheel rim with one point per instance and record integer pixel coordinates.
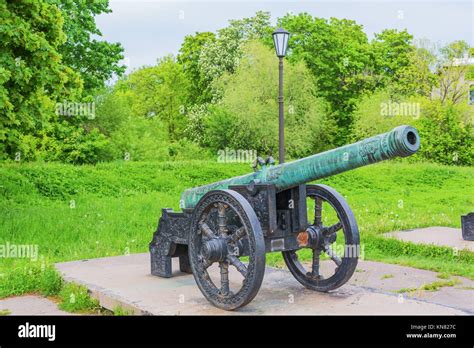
(343, 255)
(225, 229)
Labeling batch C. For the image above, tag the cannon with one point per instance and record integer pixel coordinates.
(226, 228)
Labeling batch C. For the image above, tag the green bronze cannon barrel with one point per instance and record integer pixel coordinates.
(402, 141)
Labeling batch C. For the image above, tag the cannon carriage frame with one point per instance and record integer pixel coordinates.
(278, 222)
(233, 223)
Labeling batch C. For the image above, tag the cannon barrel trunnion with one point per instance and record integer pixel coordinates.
(229, 225)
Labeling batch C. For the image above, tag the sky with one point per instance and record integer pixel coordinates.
(149, 29)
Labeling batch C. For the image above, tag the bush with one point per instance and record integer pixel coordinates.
(140, 139)
(447, 133)
(380, 112)
(446, 130)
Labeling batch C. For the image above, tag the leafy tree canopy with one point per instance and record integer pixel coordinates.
(96, 61)
(247, 115)
(32, 75)
(224, 53)
(160, 91)
(188, 57)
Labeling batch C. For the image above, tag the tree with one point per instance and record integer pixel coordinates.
(246, 117)
(224, 53)
(32, 75)
(452, 69)
(159, 91)
(392, 51)
(131, 132)
(416, 78)
(447, 130)
(402, 68)
(188, 57)
(380, 112)
(338, 55)
(96, 61)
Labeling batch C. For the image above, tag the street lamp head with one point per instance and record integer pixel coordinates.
(280, 39)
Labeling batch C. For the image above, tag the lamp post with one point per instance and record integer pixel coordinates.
(280, 39)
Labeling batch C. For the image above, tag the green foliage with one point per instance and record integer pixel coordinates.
(415, 78)
(188, 57)
(76, 298)
(434, 286)
(160, 91)
(392, 51)
(386, 276)
(347, 66)
(381, 112)
(140, 139)
(443, 276)
(447, 133)
(452, 71)
(247, 117)
(96, 61)
(455, 49)
(219, 92)
(337, 52)
(446, 130)
(144, 115)
(32, 277)
(113, 109)
(32, 75)
(222, 54)
(47, 52)
(120, 311)
(80, 212)
(77, 146)
(470, 75)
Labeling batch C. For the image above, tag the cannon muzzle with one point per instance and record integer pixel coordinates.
(402, 141)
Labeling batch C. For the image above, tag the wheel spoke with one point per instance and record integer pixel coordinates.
(315, 266)
(206, 230)
(224, 278)
(238, 264)
(318, 207)
(222, 219)
(205, 263)
(327, 231)
(332, 254)
(238, 234)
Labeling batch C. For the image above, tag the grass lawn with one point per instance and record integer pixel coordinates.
(76, 212)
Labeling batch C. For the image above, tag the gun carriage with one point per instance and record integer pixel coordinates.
(232, 224)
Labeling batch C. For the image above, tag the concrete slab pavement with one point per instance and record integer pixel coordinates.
(30, 305)
(441, 236)
(126, 281)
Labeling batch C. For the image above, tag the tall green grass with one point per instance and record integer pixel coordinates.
(77, 212)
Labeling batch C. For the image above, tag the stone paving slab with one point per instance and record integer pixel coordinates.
(126, 281)
(30, 305)
(441, 236)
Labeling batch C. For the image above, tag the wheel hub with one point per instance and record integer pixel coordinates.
(215, 250)
(315, 237)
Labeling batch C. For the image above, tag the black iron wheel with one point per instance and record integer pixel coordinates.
(337, 241)
(224, 229)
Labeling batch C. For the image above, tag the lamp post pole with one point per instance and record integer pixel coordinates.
(280, 40)
(281, 123)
